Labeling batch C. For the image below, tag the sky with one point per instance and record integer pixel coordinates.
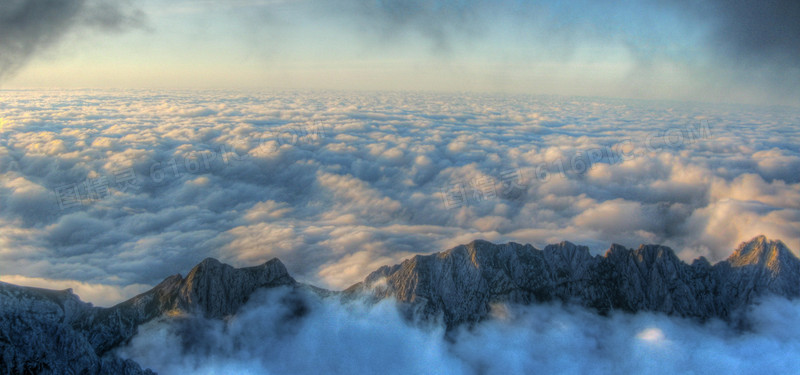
(138, 138)
(742, 52)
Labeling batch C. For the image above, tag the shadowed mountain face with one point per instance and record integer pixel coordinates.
(49, 331)
(45, 331)
(462, 283)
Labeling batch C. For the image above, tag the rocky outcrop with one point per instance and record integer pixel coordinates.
(46, 331)
(37, 336)
(211, 289)
(462, 283)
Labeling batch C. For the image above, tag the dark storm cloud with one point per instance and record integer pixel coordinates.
(753, 32)
(748, 32)
(29, 26)
(752, 48)
(551, 28)
(754, 42)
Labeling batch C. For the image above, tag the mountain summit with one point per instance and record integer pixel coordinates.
(762, 252)
(462, 283)
(54, 331)
(760, 266)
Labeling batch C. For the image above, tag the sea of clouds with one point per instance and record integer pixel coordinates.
(268, 336)
(109, 192)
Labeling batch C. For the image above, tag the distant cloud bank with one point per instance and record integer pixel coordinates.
(109, 189)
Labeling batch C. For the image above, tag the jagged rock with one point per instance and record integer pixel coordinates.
(45, 331)
(37, 336)
(211, 289)
(462, 283)
(218, 289)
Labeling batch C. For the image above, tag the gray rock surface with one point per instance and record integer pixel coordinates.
(54, 332)
(211, 289)
(46, 331)
(460, 285)
(37, 336)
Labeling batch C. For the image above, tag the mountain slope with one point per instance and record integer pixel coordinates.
(462, 283)
(37, 336)
(47, 331)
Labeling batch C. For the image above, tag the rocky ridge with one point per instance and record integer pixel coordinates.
(461, 284)
(47, 331)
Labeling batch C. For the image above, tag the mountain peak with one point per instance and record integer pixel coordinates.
(475, 252)
(219, 289)
(463, 282)
(761, 251)
(274, 262)
(566, 244)
(479, 242)
(459, 285)
(207, 265)
(616, 250)
(479, 245)
(210, 262)
(213, 268)
(651, 253)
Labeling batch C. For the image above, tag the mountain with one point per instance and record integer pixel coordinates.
(462, 283)
(48, 331)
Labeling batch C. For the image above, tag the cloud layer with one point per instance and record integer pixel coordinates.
(270, 337)
(121, 188)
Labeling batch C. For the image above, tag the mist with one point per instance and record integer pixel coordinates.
(279, 332)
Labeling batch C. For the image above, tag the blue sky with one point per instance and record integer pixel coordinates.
(661, 49)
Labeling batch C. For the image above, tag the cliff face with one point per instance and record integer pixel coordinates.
(460, 284)
(37, 335)
(53, 331)
(47, 331)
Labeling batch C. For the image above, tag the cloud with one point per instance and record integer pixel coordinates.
(744, 51)
(129, 190)
(99, 294)
(28, 27)
(752, 34)
(280, 332)
(441, 22)
(746, 44)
